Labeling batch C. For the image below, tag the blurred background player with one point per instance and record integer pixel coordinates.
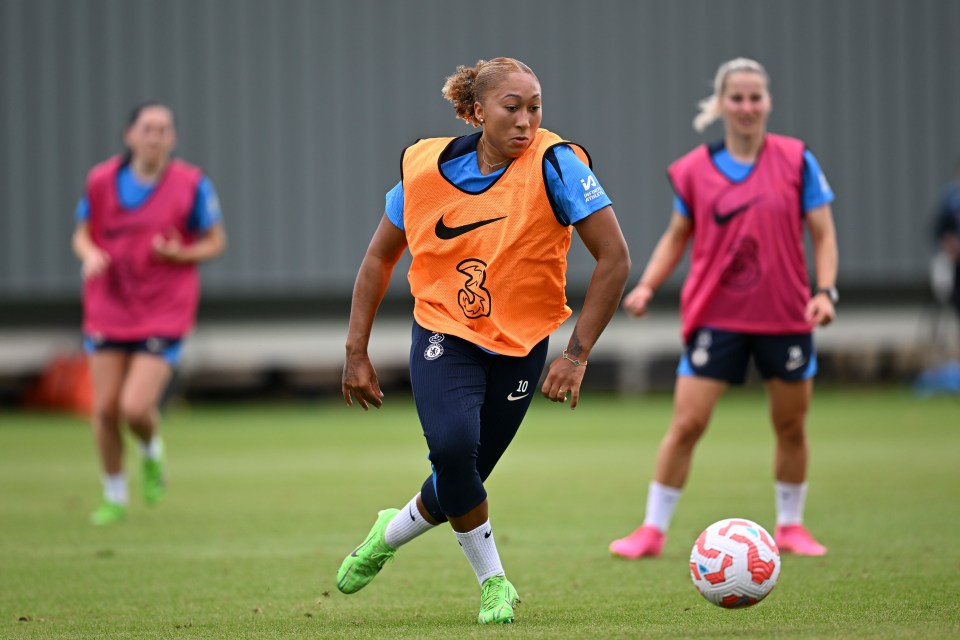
(742, 202)
(947, 232)
(488, 219)
(144, 223)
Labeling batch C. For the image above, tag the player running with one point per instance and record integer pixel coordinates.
(488, 219)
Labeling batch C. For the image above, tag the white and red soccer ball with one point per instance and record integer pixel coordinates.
(735, 563)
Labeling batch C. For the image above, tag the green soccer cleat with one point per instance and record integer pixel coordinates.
(154, 483)
(365, 562)
(108, 513)
(497, 600)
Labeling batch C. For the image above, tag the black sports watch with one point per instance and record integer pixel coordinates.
(831, 292)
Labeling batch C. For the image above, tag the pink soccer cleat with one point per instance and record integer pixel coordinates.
(794, 538)
(647, 541)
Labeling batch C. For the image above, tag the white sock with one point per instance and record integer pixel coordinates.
(115, 488)
(661, 502)
(406, 525)
(481, 551)
(153, 449)
(791, 499)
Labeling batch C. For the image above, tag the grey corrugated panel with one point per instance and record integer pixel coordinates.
(299, 110)
(13, 148)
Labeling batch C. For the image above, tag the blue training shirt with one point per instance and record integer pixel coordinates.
(132, 192)
(816, 189)
(577, 195)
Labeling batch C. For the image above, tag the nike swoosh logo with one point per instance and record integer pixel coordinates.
(512, 397)
(365, 543)
(487, 534)
(449, 233)
(410, 511)
(727, 216)
(793, 365)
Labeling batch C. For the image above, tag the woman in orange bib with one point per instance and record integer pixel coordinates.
(488, 219)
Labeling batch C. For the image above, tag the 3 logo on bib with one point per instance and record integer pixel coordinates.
(435, 350)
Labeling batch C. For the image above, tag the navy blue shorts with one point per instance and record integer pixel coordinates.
(167, 348)
(470, 403)
(724, 355)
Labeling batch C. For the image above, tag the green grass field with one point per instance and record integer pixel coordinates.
(266, 499)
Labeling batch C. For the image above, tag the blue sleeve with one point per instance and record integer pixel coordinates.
(572, 186)
(816, 189)
(950, 201)
(394, 205)
(206, 207)
(680, 207)
(82, 214)
(948, 217)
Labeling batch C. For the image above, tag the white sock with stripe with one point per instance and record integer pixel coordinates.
(406, 525)
(481, 551)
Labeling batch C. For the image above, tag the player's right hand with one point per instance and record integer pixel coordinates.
(635, 303)
(94, 263)
(360, 383)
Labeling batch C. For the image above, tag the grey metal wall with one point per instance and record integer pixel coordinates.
(299, 109)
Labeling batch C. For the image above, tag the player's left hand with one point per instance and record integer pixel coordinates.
(563, 378)
(820, 311)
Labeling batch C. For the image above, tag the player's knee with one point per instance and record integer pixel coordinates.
(454, 455)
(791, 431)
(105, 414)
(686, 430)
(136, 413)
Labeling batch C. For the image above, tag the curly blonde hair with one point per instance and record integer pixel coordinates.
(469, 85)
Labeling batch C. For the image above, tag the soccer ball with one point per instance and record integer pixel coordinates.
(735, 563)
